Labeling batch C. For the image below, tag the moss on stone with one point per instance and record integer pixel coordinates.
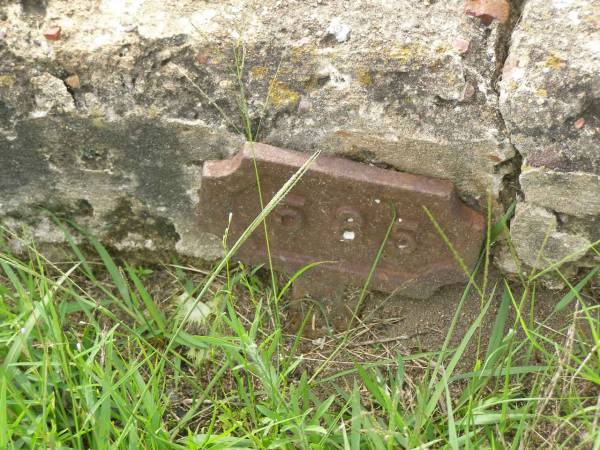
(126, 219)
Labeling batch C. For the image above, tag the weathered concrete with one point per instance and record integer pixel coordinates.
(109, 123)
(538, 241)
(120, 111)
(573, 193)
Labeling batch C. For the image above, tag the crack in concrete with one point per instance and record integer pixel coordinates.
(511, 189)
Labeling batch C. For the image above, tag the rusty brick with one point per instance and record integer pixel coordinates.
(339, 212)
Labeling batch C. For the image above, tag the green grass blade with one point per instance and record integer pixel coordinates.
(20, 342)
(452, 436)
(497, 333)
(431, 405)
(4, 430)
(297, 274)
(574, 291)
(155, 314)
(113, 270)
(356, 420)
(502, 224)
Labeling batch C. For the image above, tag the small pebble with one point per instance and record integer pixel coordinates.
(461, 45)
(304, 105)
(129, 28)
(338, 30)
(579, 123)
(2, 34)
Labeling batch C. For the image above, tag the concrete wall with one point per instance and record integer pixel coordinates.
(109, 122)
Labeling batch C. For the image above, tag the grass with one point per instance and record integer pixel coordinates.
(97, 353)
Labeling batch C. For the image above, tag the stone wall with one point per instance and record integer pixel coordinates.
(108, 109)
(550, 102)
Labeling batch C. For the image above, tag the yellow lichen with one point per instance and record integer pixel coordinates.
(541, 92)
(153, 112)
(364, 76)
(554, 62)
(443, 48)
(303, 52)
(404, 53)
(98, 122)
(451, 78)
(526, 168)
(6, 81)
(258, 72)
(280, 95)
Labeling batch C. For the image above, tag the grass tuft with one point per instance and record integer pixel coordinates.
(97, 353)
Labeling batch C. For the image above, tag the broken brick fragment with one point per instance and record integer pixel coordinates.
(468, 92)
(203, 56)
(52, 33)
(461, 45)
(73, 81)
(488, 10)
